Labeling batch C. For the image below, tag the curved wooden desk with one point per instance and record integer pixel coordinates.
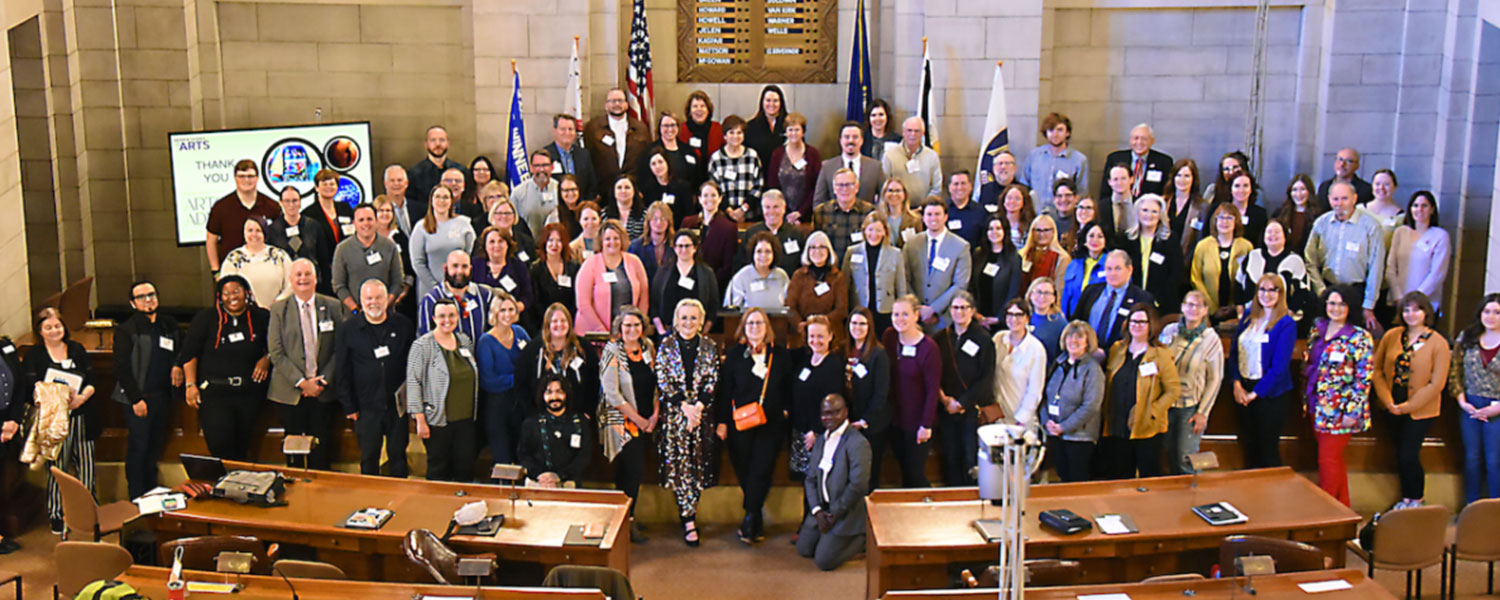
(152, 582)
(314, 510)
(1270, 586)
(914, 535)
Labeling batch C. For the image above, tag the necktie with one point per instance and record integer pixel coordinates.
(931, 254)
(1109, 316)
(1140, 164)
(309, 341)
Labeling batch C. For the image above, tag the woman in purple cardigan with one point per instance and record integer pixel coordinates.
(916, 370)
(1259, 364)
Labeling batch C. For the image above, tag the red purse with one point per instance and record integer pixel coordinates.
(750, 416)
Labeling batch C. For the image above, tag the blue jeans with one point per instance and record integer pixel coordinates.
(1481, 452)
(1180, 440)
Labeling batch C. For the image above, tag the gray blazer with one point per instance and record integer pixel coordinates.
(427, 378)
(870, 177)
(938, 291)
(890, 277)
(1073, 401)
(284, 345)
(848, 482)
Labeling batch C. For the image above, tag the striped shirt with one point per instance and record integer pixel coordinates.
(473, 309)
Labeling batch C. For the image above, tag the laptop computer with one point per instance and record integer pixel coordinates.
(206, 469)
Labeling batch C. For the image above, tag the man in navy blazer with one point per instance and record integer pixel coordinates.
(1105, 306)
(1149, 168)
(569, 157)
(835, 488)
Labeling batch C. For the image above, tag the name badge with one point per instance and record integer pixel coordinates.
(908, 233)
(1148, 369)
(909, 351)
(730, 174)
(860, 371)
(686, 283)
(857, 237)
(1335, 357)
(382, 351)
(608, 140)
(1157, 258)
(575, 441)
(1417, 346)
(523, 256)
(565, 281)
(799, 164)
(1245, 220)
(464, 352)
(236, 337)
(941, 263)
(970, 348)
(165, 343)
(520, 344)
(1351, 246)
(508, 283)
(1197, 223)
(791, 246)
(347, 229)
(821, 288)
(806, 372)
(856, 259)
(691, 159)
(1264, 338)
(371, 259)
(67, 363)
(610, 277)
(695, 142)
(1054, 410)
(1153, 176)
(345, 220)
(1061, 174)
(757, 286)
(955, 224)
(669, 198)
(470, 304)
(293, 230)
(1124, 312)
(991, 269)
(557, 167)
(325, 326)
(912, 166)
(576, 363)
(758, 370)
(992, 208)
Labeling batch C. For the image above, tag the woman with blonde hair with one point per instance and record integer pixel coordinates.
(1043, 256)
(877, 275)
(894, 209)
(687, 374)
(1259, 365)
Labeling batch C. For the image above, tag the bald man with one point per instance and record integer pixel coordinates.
(1346, 170)
(300, 344)
(914, 164)
(1148, 167)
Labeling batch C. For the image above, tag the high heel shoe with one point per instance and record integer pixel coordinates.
(690, 534)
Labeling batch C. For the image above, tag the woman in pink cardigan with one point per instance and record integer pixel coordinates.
(609, 279)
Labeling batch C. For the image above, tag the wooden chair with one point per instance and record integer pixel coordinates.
(11, 578)
(1475, 539)
(201, 553)
(1290, 556)
(82, 563)
(1410, 539)
(613, 583)
(425, 550)
(307, 569)
(82, 514)
(1042, 572)
(1173, 577)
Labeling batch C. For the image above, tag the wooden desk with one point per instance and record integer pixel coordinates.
(152, 583)
(315, 508)
(916, 534)
(1271, 586)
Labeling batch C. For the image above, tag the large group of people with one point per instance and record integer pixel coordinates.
(866, 301)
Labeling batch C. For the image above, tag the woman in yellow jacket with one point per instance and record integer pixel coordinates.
(1140, 386)
(1411, 370)
(1217, 260)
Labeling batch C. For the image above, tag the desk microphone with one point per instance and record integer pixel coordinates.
(288, 582)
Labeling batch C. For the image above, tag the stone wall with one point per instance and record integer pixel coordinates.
(15, 301)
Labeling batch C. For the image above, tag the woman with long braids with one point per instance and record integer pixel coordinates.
(227, 366)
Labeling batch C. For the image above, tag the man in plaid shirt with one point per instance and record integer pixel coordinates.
(840, 217)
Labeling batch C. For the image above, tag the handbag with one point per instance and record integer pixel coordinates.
(753, 415)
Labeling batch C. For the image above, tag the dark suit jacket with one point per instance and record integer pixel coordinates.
(583, 169)
(848, 482)
(603, 156)
(1363, 191)
(1155, 161)
(871, 175)
(1166, 273)
(1095, 293)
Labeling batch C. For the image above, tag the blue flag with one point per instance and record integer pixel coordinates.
(515, 146)
(859, 69)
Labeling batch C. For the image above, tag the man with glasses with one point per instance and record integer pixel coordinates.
(146, 370)
(1347, 247)
(791, 238)
(615, 139)
(1002, 173)
(568, 157)
(1346, 170)
(968, 355)
(1106, 305)
(965, 216)
(406, 211)
(226, 220)
(840, 217)
(938, 265)
(536, 198)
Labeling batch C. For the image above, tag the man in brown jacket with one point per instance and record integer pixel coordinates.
(615, 139)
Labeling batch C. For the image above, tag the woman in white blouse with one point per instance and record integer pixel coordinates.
(1020, 366)
(266, 267)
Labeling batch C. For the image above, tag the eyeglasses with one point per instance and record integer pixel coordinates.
(1043, 230)
(478, 169)
(246, 176)
(683, 246)
(1139, 322)
(844, 185)
(1044, 293)
(1269, 291)
(962, 307)
(1018, 315)
(569, 190)
(150, 296)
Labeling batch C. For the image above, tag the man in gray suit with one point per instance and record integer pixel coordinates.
(301, 347)
(834, 530)
(937, 265)
(851, 138)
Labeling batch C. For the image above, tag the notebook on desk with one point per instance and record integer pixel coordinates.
(591, 534)
(1220, 513)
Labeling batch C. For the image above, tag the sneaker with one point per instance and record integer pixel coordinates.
(637, 533)
(8, 546)
(57, 526)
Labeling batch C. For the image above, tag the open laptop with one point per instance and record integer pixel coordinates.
(206, 469)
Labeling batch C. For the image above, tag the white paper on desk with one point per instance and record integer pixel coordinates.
(1313, 587)
(1119, 596)
(425, 597)
(208, 587)
(1111, 524)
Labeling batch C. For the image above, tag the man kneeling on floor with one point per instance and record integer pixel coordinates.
(835, 530)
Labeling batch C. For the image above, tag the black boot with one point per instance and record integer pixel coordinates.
(746, 531)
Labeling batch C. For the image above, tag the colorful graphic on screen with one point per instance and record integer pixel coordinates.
(293, 162)
(342, 153)
(350, 192)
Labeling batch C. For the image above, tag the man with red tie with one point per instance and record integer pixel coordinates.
(1148, 168)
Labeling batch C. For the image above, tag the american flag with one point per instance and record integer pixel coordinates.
(639, 90)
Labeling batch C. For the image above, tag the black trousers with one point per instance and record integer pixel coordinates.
(503, 415)
(753, 454)
(227, 416)
(630, 468)
(1070, 459)
(143, 446)
(309, 416)
(1409, 434)
(1124, 458)
(452, 450)
(911, 456)
(1260, 429)
(959, 437)
(879, 441)
(377, 428)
